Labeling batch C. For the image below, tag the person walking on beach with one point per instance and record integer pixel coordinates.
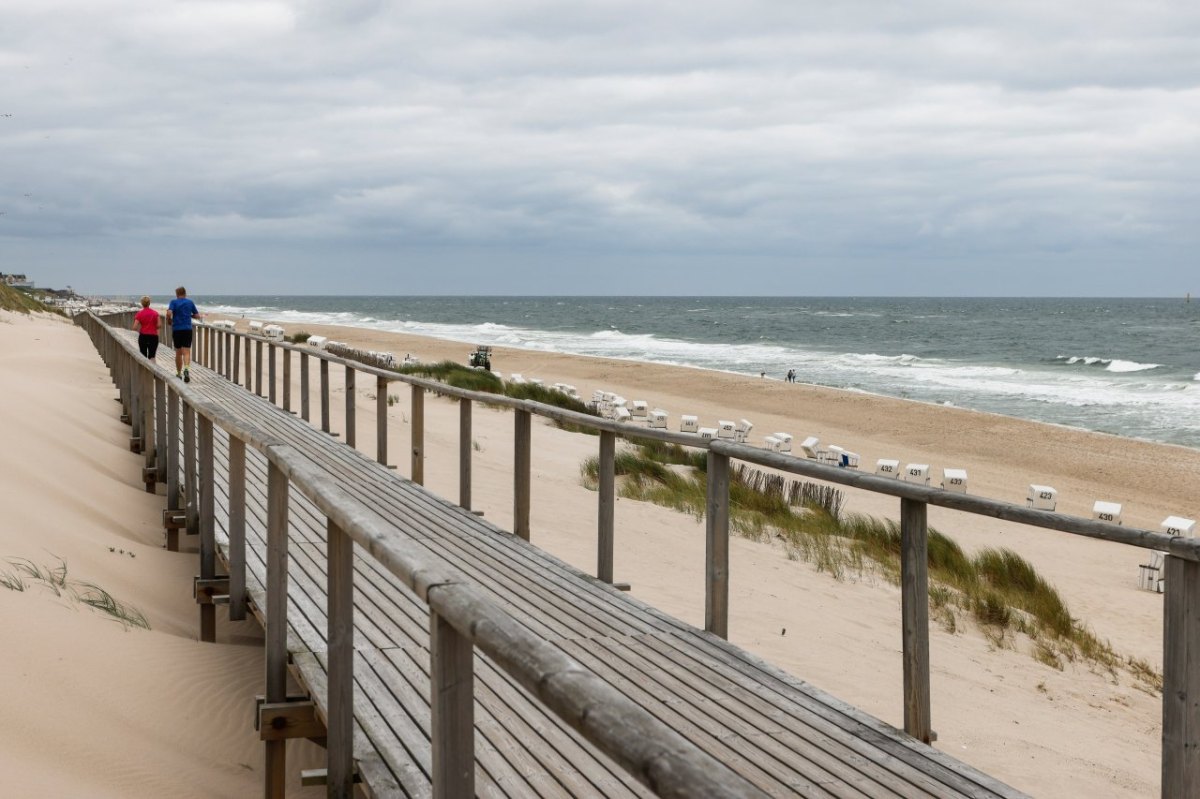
(180, 314)
(145, 322)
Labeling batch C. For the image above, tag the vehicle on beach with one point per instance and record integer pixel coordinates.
(481, 358)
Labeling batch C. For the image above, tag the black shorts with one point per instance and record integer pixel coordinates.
(147, 345)
(182, 339)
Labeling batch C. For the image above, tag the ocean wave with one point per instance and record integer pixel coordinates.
(1109, 364)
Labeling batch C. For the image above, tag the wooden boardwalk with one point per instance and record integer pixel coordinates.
(783, 736)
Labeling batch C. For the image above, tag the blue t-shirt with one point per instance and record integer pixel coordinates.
(182, 310)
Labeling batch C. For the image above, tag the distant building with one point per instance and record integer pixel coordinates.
(16, 281)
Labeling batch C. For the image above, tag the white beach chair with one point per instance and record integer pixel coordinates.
(1042, 497)
(622, 415)
(809, 447)
(771, 443)
(516, 378)
(708, 433)
(1107, 512)
(689, 424)
(273, 332)
(743, 431)
(726, 429)
(917, 473)
(886, 467)
(1150, 575)
(1178, 525)
(256, 327)
(638, 408)
(849, 460)
(954, 480)
(829, 457)
(785, 441)
(657, 419)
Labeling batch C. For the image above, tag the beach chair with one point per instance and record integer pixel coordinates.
(954, 480)
(1107, 512)
(917, 473)
(809, 447)
(885, 467)
(273, 332)
(1178, 525)
(848, 459)
(708, 433)
(726, 429)
(771, 443)
(1150, 575)
(1042, 497)
(689, 424)
(537, 381)
(829, 457)
(516, 378)
(742, 434)
(256, 327)
(622, 415)
(638, 408)
(318, 342)
(657, 419)
(785, 441)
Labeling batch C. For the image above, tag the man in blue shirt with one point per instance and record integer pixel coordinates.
(180, 314)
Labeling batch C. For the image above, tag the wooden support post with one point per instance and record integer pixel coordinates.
(208, 543)
(287, 379)
(351, 405)
(249, 372)
(324, 395)
(276, 612)
(452, 710)
(271, 373)
(149, 436)
(381, 419)
(160, 430)
(258, 367)
(607, 510)
(189, 469)
(172, 465)
(237, 360)
(418, 435)
(340, 635)
(914, 603)
(230, 354)
(716, 560)
(1181, 679)
(465, 445)
(237, 529)
(133, 380)
(522, 462)
(304, 386)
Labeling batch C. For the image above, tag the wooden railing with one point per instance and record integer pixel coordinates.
(462, 618)
(1181, 640)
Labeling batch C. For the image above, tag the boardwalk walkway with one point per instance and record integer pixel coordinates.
(783, 736)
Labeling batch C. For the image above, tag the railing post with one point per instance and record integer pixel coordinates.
(522, 461)
(271, 373)
(381, 419)
(160, 429)
(1181, 679)
(230, 353)
(606, 478)
(276, 612)
(914, 602)
(258, 369)
(133, 381)
(452, 710)
(237, 529)
(237, 360)
(149, 411)
(418, 435)
(465, 445)
(189, 469)
(304, 386)
(287, 379)
(716, 561)
(340, 725)
(172, 465)
(208, 543)
(324, 395)
(351, 405)
(249, 372)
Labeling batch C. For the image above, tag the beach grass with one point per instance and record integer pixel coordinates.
(299, 338)
(997, 589)
(23, 573)
(18, 301)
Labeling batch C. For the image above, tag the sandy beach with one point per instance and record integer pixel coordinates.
(72, 491)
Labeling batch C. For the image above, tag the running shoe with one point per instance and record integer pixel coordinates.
(187, 378)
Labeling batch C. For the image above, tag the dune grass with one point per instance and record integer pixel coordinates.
(997, 589)
(22, 573)
(12, 299)
(299, 338)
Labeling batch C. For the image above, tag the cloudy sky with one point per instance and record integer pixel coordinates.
(620, 147)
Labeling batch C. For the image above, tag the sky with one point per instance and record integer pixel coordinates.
(617, 148)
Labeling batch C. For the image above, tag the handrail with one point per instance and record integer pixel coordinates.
(651, 752)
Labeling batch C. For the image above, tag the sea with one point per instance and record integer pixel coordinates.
(1130, 367)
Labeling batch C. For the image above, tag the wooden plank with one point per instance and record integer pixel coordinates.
(276, 611)
(208, 550)
(418, 435)
(258, 367)
(381, 420)
(287, 380)
(304, 386)
(160, 430)
(1181, 679)
(522, 465)
(282, 721)
(324, 395)
(237, 360)
(236, 528)
(340, 703)
(452, 710)
(716, 551)
(351, 407)
(189, 469)
(914, 601)
(249, 372)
